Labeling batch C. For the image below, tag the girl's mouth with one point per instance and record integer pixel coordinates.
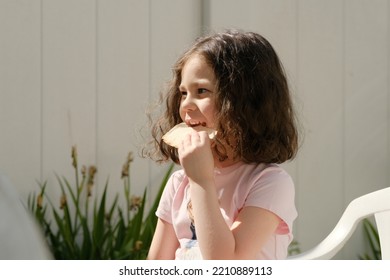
(175, 135)
(194, 124)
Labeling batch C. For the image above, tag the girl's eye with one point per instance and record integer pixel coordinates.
(183, 93)
(202, 90)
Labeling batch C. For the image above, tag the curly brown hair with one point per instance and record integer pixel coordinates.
(253, 103)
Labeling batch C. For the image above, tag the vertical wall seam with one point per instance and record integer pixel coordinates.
(388, 93)
(41, 92)
(97, 82)
(149, 46)
(297, 87)
(344, 108)
(344, 105)
(149, 50)
(204, 17)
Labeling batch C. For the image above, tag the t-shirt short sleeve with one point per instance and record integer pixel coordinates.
(164, 209)
(273, 190)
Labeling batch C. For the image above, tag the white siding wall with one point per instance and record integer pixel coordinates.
(83, 73)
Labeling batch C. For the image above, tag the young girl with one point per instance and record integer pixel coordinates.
(230, 200)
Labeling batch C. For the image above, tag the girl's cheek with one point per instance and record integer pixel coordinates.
(181, 113)
(182, 116)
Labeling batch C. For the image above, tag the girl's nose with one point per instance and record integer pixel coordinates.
(188, 103)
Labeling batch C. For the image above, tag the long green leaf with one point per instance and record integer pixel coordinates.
(136, 222)
(69, 188)
(64, 234)
(372, 236)
(86, 246)
(75, 200)
(151, 219)
(98, 225)
(120, 230)
(66, 209)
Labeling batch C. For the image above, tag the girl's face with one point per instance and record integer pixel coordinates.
(198, 87)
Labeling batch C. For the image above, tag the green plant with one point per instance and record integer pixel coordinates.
(372, 236)
(293, 248)
(78, 230)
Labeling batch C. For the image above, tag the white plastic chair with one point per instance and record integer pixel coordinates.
(20, 237)
(376, 203)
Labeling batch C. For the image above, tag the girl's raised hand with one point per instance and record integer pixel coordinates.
(196, 157)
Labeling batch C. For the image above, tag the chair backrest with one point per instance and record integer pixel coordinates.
(373, 204)
(20, 237)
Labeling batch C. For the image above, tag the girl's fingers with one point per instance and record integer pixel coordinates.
(187, 139)
(193, 141)
(186, 142)
(191, 138)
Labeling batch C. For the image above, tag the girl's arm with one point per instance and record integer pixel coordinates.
(164, 243)
(243, 240)
(253, 225)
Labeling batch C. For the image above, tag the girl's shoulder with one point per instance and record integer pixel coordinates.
(257, 169)
(177, 179)
(265, 173)
(178, 175)
(273, 168)
(273, 171)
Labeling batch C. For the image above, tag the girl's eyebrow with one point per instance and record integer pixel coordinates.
(199, 83)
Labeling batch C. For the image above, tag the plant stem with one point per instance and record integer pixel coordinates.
(78, 190)
(127, 193)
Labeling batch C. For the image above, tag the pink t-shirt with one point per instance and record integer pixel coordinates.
(240, 185)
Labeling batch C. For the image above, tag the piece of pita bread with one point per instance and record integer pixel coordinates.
(175, 136)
